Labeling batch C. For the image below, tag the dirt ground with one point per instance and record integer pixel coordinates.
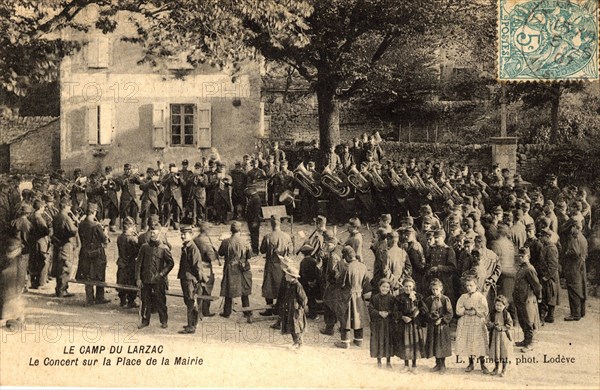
(237, 354)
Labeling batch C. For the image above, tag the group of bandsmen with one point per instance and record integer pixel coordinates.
(430, 221)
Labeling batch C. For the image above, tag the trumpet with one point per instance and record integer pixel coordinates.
(303, 177)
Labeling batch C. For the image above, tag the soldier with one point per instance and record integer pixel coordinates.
(504, 248)
(355, 240)
(208, 254)
(527, 295)
(154, 262)
(309, 203)
(92, 257)
(64, 240)
(110, 200)
(128, 201)
(576, 252)
(549, 277)
(278, 154)
(415, 253)
(21, 228)
(354, 283)
(128, 247)
(397, 266)
(50, 212)
(239, 182)
(442, 261)
(237, 277)
(95, 193)
(253, 218)
(197, 194)
(191, 277)
(379, 248)
(255, 174)
(212, 182)
(172, 201)
(223, 204)
(154, 224)
(186, 177)
(346, 158)
(78, 192)
(332, 268)
(151, 191)
(331, 160)
(282, 181)
(275, 246)
(40, 248)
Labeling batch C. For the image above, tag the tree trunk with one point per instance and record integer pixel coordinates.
(555, 103)
(329, 117)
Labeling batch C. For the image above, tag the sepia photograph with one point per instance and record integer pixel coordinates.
(353, 194)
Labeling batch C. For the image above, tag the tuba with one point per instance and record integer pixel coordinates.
(334, 183)
(302, 176)
(395, 179)
(357, 180)
(378, 181)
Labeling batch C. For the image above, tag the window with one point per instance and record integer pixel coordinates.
(183, 124)
(98, 52)
(99, 123)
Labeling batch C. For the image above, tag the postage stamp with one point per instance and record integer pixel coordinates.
(548, 40)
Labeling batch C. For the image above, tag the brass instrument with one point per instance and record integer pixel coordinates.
(334, 183)
(357, 180)
(433, 186)
(302, 176)
(407, 179)
(378, 181)
(395, 178)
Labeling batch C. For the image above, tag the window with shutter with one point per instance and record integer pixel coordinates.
(204, 126)
(91, 124)
(185, 120)
(106, 124)
(159, 125)
(98, 52)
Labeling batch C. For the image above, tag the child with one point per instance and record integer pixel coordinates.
(380, 310)
(527, 294)
(471, 332)
(292, 302)
(411, 335)
(438, 343)
(500, 325)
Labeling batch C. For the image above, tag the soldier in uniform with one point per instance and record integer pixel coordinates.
(355, 240)
(197, 194)
(239, 183)
(128, 247)
(208, 254)
(576, 252)
(255, 174)
(549, 277)
(39, 237)
(92, 258)
(151, 191)
(275, 246)
(253, 217)
(78, 193)
(278, 154)
(442, 262)
(172, 202)
(110, 200)
(237, 276)
(223, 204)
(186, 177)
(95, 192)
(154, 262)
(64, 241)
(346, 158)
(128, 201)
(332, 268)
(154, 224)
(191, 277)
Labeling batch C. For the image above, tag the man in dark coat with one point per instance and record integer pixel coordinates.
(222, 202)
(237, 277)
(154, 224)
(186, 178)
(128, 201)
(197, 194)
(275, 246)
(39, 237)
(208, 254)
(154, 262)
(21, 228)
(332, 267)
(110, 200)
(442, 262)
(239, 181)
(78, 192)
(354, 283)
(151, 189)
(527, 294)
(172, 201)
(92, 258)
(253, 217)
(549, 276)
(128, 247)
(191, 277)
(576, 252)
(64, 241)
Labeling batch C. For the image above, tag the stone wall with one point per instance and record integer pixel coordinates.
(11, 128)
(37, 151)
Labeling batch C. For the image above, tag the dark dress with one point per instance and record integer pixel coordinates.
(438, 342)
(381, 328)
(292, 303)
(410, 337)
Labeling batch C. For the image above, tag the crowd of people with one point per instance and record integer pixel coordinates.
(486, 248)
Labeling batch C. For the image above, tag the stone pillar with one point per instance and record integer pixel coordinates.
(504, 152)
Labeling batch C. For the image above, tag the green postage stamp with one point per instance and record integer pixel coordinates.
(548, 40)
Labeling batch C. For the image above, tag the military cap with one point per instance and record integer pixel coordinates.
(185, 229)
(524, 251)
(238, 163)
(427, 219)
(551, 176)
(154, 222)
(407, 221)
(77, 170)
(48, 197)
(197, 164)
(291, 270)
(386, 217)
(498, 210)
(545, 232)
(439, 233)
(149, 170)
(530, 227)
(306, 249)
(128, 222)
(354, 222)
(185, 162)
(478, 238)
(38, 204)
(204, 226)
(275, 219)
(320, 219)
(407, 229)
(249, 191)
(348, 251)
(329, 237)
(64, 201)
(468, 240)
(127, 166)
(393, 234)
(426, 207)
(172, 165)
(108, 168)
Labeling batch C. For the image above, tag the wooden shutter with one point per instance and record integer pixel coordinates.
(98, 52)
(106, 124)
(91, 124)
(160, 116)
(204, 120)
